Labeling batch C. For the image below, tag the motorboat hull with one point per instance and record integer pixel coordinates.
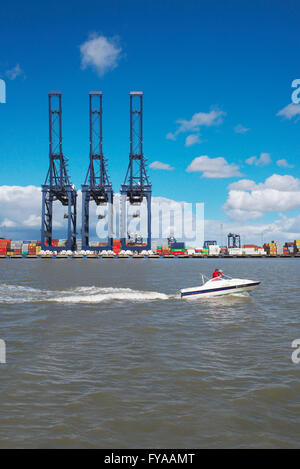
(220, 288)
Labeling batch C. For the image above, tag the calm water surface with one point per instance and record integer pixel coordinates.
(105, 354)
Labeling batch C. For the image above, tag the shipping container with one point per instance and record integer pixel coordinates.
(237, 251)
(177, 245)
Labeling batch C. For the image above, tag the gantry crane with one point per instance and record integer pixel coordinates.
(97, 186)
(233, 240)
(136, 186)
(57, 186)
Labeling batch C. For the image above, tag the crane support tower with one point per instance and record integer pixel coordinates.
(57, 186)
(97, 186)
(234, 240)
(136, 186)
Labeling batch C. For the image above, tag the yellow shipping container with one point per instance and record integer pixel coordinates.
(297, 242)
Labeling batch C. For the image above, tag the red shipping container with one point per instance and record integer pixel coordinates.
(4, 243)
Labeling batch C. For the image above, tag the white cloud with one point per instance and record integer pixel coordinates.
(33, 221)
(7, 223)
(21, 211)
(263, 160)
(290, 111)
(251, 160)
(170, 136)
(248, 200)
(14, 72)
(213, 167)
(240, 129)
(207, 119)
(160, 165)
(199, 119)
(284, 164)
(192, 139)
(282, 183)
(100, 53)
(242, 185)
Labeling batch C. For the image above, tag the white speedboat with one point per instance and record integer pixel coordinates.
(223, 285)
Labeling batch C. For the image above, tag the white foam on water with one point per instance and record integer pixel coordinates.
(12, 294)
(100, 295)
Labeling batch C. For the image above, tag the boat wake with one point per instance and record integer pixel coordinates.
(14, 294)
(99, 295)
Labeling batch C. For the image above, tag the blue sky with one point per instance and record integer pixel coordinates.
(236, 59)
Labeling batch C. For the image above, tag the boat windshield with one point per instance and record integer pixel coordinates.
(221, 277)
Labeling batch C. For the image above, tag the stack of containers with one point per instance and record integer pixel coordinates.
(79, 244)
(164, 246)
(289, 246)
(236, 251)
(204, 252)
(286, 251)
(177, 248)
(297, 247)
(214, 250)
(16, 247)
(97, 244)
(163, 249)
(250, 249)
(116, 246)
(154, 246)
(32, 249)
(273, 249)
(25, 246)
(4, 246)
(62, 243)
(279, 248)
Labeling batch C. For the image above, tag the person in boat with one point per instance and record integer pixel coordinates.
(217, 273)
